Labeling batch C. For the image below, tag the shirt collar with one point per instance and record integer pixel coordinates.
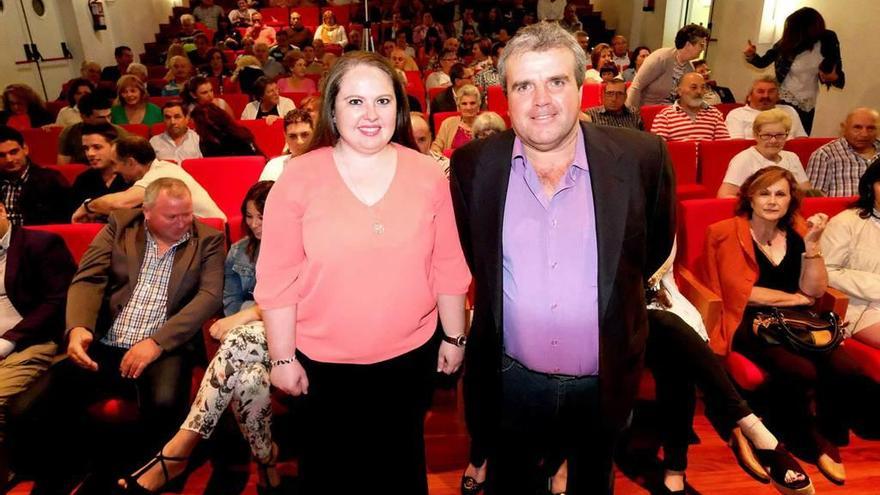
(519, 158)
(853, 150)
(4, 241)
(623, 110)
(703, 106)
(152, 240)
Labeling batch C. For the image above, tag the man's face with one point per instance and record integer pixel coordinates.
(584, 42)
(468, 35)
(447, 60)
(691, 90)
(296, 20)
(427, 20)
(764, 96)
(202, 44)
(175, 121)
(703, 70)
(125, 58)
(98, 116)
(860, 129)
(261, 51)
(543, 97)
(13, 157)
(98, 151)
(451, 44)
(297, 136)
(309, 53)
(387, 48)
(614, 96)
(257, 20)
(398, 59)
(127, 168)
(620, 46)
(242, 5)
(169, 218)
(187, 26)
(422, 135)
(466, 78)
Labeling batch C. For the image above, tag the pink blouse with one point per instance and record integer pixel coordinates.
(365, 280)
(305, 85)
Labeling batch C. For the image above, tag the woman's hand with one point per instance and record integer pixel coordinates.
(290, 378)
(750, 49)
(829, 77)
(222, 326)
(817, 224)
(449, 358)
(801, 299)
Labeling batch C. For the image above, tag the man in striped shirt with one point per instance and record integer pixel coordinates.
(612, 111)
(689, 118)
(835, 169)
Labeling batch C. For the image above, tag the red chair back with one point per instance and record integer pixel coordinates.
(214, 223)
(296, 97)
(439, 117)
(70, 171)
(341, 12)
(55, 106)
(269, 138)
(496, 100)
(648, 112)
(311, 16)
(77, 236)
(684, 158)
(237, 102)
(226, 179)
(591, 95)
(804, 147)
(156, 71)
(828, 206)
(42, 144)
(275, 16)
(432, 92)
(725, 108)
(142, 130)
(715, 156)
(695, 216)
(159, 101)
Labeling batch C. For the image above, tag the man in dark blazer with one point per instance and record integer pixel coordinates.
(444, 101)
(135, 308)
(33, 195)
(35, 271)
(562, 223)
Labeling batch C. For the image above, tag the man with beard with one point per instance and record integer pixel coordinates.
(763, 96)
(689, 118)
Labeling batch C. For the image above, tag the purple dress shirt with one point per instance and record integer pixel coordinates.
(550, 269)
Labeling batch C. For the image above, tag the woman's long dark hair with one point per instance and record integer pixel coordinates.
(189, 89)
(803, 28)
(258, 194)
(867, 199)
(214, 125)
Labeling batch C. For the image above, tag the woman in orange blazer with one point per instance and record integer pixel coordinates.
(768, 256)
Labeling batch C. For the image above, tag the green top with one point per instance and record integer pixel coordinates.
(153, 115)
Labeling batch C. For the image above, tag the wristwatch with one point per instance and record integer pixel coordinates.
(458, 340)
(85, 205)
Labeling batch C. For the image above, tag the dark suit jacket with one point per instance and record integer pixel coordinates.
(443, 102)
(45, 197)
(110, 267)
(633, 191)
(38, 272)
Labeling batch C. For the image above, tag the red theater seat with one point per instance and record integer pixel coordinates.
(237, 101)
(142, 130)
(295, 97)
(439, 117)
(42, 144)
(591, 95)
(648, 112)
(715, 156)
(275, 16)
(684, 158)
(804, 147)
(270, 138)
(725, 108)
(55, 106)
(311, 16)
(77, 236)
(497, 101)
(70, 171)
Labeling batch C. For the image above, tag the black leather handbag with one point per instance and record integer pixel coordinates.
(804, 332)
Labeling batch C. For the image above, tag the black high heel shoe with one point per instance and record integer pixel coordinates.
(133, 487)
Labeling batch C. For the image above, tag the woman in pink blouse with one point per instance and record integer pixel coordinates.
(297, 82)
(360, 255)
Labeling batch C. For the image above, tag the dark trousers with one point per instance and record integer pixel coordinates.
(681, 360)
(545, 420)
(56, 438)
(806, 117)
(364, 424)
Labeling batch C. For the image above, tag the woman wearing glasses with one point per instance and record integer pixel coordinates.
(771, 129)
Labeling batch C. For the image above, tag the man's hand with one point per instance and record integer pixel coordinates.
(136, 360)
(78, 341)
(750, 50)
(80, 215)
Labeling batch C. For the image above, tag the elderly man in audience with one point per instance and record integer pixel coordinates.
(124, 58)
(95, 110)
(188, 31)
(422, 134)
(613, 110)
(35, 271)
(259, 32)
(208, 13)
(101, 177)
(32, 195)
(764, 95)
(271, 67)
(656, 81)
(689, 118)
(241, 17)
(835, 168)
(298, 129)
(178, 142)
(620, 52)
(301, 36)
(570, 21)
(136, 162)
(445, 101)
(135, 308)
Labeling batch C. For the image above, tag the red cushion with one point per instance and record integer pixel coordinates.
(695, 216)
(647, 386)
(744, 372)
(804, 147)
(116, 410)
(42, 144)
(684, 158)
(70, 171)
(715, 156)
(725, 108)
(591, 95)
(648, 112)
(867, 357)
(227, 179)
(275, 16)
(237, 101)
(691, 191)
(497, 101)
(142, 130)
(439, 117)
(76, 236)
(828, 206)
(269, 138)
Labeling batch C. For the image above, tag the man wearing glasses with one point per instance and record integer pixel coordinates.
(612, 111)
(657, 79)
(440, 78)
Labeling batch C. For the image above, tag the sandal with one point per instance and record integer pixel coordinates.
(131, 484)
(786, 474)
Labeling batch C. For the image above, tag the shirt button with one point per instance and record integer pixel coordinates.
(553, 306)
(554, 222)
(554, 342)
(554, 264)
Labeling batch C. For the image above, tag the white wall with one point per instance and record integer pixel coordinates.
(628, 19)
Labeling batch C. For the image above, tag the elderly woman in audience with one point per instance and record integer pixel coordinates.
(220, 135)
(297, 82)
(268, 103)
(298, 129)
(133, 105)
(457, 131)
(200, 91)
(329, 32)
(602, 54)
(76, 89)
(363, 226)
(238, 374)
(768, 257)
(23, 108)
(486, 124)
(851, 245)
(216, 66)
(638, 57)
(181, 70)
(138, 70)
(91, 71)
(771, 128)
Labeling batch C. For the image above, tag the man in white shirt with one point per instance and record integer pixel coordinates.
(136, 162)
(620, 52)
(764, 95)
(298, 129)
(178, 142)
(440, 78)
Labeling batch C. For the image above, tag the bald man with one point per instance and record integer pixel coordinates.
(422, 134)
(689, 118)
(835, 168)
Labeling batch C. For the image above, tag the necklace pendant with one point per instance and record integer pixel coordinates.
(378, 228)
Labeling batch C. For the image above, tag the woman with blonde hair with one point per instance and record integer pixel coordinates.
(601, 55)
(457, 131)
(133, 105)
(329, 32)
(771, 130)
(181, 70)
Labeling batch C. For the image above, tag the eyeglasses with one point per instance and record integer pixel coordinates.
(768, 137)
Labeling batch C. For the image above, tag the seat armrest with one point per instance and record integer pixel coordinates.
(833, 300)
(707, 302)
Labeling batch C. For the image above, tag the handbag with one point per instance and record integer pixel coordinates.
(802, 331)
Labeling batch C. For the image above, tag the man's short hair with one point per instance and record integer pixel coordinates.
(496, 48)
(541, 37)
(201, 36)
(96, 100)
(119, 50)
(766, 78)
(175, 103)
(107, 131)
(9, 134)
(690, 34)
(135, 147)
(298, 116)
(186, 18)
(457, 72)
(175, 188)
(614, 82)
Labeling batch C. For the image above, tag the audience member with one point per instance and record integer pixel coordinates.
(241, 17)
(638, 58)
(447, 100)
(216, 66)
(456, 131)
(95, 110)
(764, 95)
(313, 61)
(259, 32)
(551, 10)
(403, 44)
(486, 124)
(247, 70)
(602, 54)
(489, 75)
(124, 57)
(771, 129)
(297, 82)
(91, 71)
(268, 103)
(31, 195)
(135, 160)
(467, 20)
(271, 67)
(395, 27)
(658, 78)
(312, 104)
(227, 36)
(135, 310)
(199, 56)
(23, 108)
(298, 129)
(208, 14)
(420, 32)
(422, 134)
(101, 177)
(440, 77)
(355, 41)
(583, 40)
(77, 88)
(689, 118)
(282, 46)
(430, 52)
(134, 105)
(181, 71)
(466, 44)
(220, 135)
(188, 32)
(609, 72)
(329, 32)
(715, 94)
(836, 167)
(570, 21)
(492, 23)
(200, 91)
(402, 62)
(36, 269)
(301, 36)
(178, 142)
(480, 55)
(613, 110)
(620, 52)
(139, 71)
(807, 54)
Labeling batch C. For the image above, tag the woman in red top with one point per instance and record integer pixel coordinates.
(360, 254)
(23, 108)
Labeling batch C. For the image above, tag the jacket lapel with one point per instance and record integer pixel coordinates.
(744, 235)
(135, 242)
(183, 258)
(13, 261)
(492, 194)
